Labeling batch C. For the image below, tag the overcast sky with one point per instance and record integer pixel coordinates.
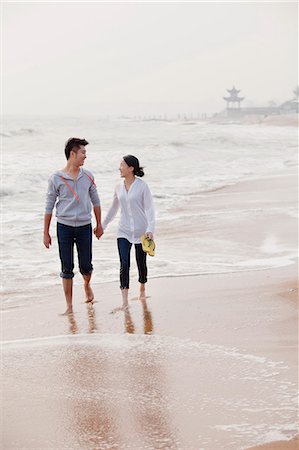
(151, 58)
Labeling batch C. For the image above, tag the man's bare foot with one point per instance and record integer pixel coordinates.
(120, 308)
(89, 293)
(67, 312)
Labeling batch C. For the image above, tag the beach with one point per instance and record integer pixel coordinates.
(208, 361)
(133, 121)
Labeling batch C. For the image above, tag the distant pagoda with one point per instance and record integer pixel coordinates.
(233, 101)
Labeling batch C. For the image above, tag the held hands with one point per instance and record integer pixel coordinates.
(47, 240)
(98, 231)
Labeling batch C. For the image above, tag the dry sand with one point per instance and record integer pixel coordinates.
(207, 362)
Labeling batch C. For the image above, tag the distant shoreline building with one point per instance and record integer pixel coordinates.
(233, 101)
(291, 106)
(233, 106)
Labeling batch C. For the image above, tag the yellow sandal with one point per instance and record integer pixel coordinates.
(148, 245)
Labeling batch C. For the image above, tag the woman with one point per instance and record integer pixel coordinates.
(134, 199)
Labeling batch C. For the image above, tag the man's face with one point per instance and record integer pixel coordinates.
(80, 155)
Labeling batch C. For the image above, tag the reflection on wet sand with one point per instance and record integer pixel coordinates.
(151, 412)
(129, 325)
(119, 395)
(91, 315)
(147, 318)
(89, 409)
(90, 414)
(150, 420)
(73, 328)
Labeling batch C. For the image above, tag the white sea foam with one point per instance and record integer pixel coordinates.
(154, 342)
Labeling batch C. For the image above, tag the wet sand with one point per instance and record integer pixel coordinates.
(206, 362)
(292, 444)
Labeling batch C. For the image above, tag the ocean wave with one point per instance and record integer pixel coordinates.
(19, 132)
(178, 144)
(222, 140)
(193, 193)
(166, 196)
(6, 192)
(290, 163)
(166, 344)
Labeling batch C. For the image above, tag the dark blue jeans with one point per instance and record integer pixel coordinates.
(68, 236)
(124, 250)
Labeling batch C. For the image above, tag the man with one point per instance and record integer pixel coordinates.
(75, 190)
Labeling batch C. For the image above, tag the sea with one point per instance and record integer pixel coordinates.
(183, 161)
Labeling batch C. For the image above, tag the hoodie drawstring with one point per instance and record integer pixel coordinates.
(72, 190)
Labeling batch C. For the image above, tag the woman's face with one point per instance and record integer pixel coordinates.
(124, 169)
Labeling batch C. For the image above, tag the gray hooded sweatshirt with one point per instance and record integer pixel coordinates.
(74, 197)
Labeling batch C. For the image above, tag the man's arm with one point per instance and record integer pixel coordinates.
(94, 197)
(98, 231)
(52, 195)
(47, 237)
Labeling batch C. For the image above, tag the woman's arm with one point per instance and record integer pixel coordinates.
(112, 211)
(149, 209)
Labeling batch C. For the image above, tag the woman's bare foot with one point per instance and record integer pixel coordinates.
(125, 306)
(138, 298)
(120, 308)
(88, 293)
(142, 295)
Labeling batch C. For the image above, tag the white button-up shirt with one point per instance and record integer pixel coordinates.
(137, 211)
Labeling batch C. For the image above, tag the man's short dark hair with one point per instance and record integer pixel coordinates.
(73, 144)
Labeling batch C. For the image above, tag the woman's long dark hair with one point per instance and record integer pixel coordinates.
(132, 161)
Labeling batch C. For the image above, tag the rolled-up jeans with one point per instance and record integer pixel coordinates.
(68, 236)
(124, 249)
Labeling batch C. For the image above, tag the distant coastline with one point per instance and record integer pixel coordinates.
(281, 120)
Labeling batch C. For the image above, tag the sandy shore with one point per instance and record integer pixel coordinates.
(206, 362)
(292, 444)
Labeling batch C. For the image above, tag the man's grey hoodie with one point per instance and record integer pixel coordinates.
(75, 198)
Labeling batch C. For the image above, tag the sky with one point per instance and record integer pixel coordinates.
(145, 57)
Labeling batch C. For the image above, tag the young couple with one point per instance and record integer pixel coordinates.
(74, 191)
